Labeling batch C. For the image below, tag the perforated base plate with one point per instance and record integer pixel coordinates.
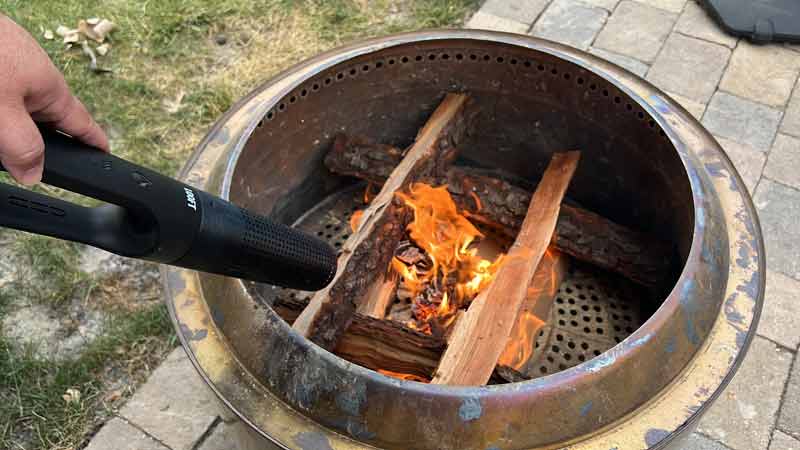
(591, 314)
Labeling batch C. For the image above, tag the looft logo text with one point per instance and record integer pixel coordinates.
(190, 201)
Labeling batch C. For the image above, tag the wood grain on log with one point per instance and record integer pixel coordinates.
(365, 257)
(481, 335)
(498, 204)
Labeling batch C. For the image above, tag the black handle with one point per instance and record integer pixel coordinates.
(154, 217)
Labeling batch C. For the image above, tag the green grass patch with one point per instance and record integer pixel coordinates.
(52, 270)
(32, 409)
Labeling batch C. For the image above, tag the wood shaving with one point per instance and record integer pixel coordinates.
(102, 50)
(93, 21)
(64, 31)
(48, 34)
(103, 28)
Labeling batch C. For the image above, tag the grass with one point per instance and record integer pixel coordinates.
(171, 80)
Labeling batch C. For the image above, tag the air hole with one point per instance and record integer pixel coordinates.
(571, 344)
(365, 68)
(567, 76)
(328, 81)
(379, 64)
(527, 63)
(404, 59)
(339, 76)
(596, 352)
(584, 346)
(640, 115)
(281, 107)
(580, 80)
(541, 67)
(600, 331)
(473, 57)
(554, 71)
(581, 296)
(569, 290)
(260, 123)
(627, 317)
(585, 307)
(561, 311)
(315, 87)
(581, 358)
(459, 56)
(445, 56)
(500, 59)
(598, 319)
(587, 319)
(617, 100)
(629, 329)
(353, 71)
(292, 99)
(587, 330)
(562, 367)
(391, 61)
(596, 308)
(513, 61)
(567, 356)
(571, 301)
(418, 58)
(555, 349)
(559, 300)
(573, 312)
(559, 337)
(605, 92)
(541, 333)
(270, 115)
(573, 323)
(562, 323)
(431, 57)
(550, 359)
(617, 339)
(617, 328)
(543, 369)
(593, 86)
(337, 245)
(651, 123)
(304, 92)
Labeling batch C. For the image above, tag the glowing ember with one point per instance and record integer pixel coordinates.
(404, 376)
(355, 219)
(456, 273)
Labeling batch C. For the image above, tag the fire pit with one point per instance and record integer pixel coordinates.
(643, 305)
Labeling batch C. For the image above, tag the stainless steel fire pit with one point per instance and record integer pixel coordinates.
(642, 381)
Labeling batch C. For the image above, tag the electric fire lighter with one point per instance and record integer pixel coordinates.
(149, 216)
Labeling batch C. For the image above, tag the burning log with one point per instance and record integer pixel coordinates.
(367, 253)
(498, 204)
(481, 335)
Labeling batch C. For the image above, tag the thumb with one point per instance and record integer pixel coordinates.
(21, 146)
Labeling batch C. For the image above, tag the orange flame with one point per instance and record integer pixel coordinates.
(446, 236)
(404, 376)
(355, 219)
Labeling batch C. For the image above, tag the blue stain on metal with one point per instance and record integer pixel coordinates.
(670, 347)
(744, 257)
(642, 340)
(701, 217)
(730, 310)
(659, 104)
(193, 335)
(350, 399)
(311, 440)
(741, 338)
(654, 436)
(223, 136)
(750, 287)
(688, 308)
(586, 408)
(470, 409)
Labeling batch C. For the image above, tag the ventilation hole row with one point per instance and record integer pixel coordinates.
(566, 353)
(393, 61)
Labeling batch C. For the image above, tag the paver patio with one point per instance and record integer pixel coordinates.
(748, 96)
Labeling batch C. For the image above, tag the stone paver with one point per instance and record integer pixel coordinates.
(695, 22)
(762, 73)
(789, 421)
(175, 406)
(570, 22)
(742, 120)
(518, 10)
(743, 416)
(608, 5)
(781, 310)
(748, 161)
(782, 441)
(697, 441)
(791, 120)
(675, 6)
(116, 434)
(634, 65)
(695, 108)
(689, 67)
(234, 436)
(779, 212)
(784, 161)
(636, 30)
(485, 21)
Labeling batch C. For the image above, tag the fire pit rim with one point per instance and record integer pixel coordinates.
(539, 45)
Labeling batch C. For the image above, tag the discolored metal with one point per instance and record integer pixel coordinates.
(646, 163)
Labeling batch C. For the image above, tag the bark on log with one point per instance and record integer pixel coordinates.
(481, 335)
(366, 255)
(498, 204)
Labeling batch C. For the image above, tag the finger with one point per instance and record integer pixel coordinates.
(66, 113)
(21, 146)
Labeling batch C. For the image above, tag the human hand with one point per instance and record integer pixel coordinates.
(33, 90)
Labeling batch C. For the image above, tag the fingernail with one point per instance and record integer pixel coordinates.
(31, 176)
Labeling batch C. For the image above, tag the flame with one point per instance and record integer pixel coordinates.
(446, 236)
(404, 376)
(355, 219)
